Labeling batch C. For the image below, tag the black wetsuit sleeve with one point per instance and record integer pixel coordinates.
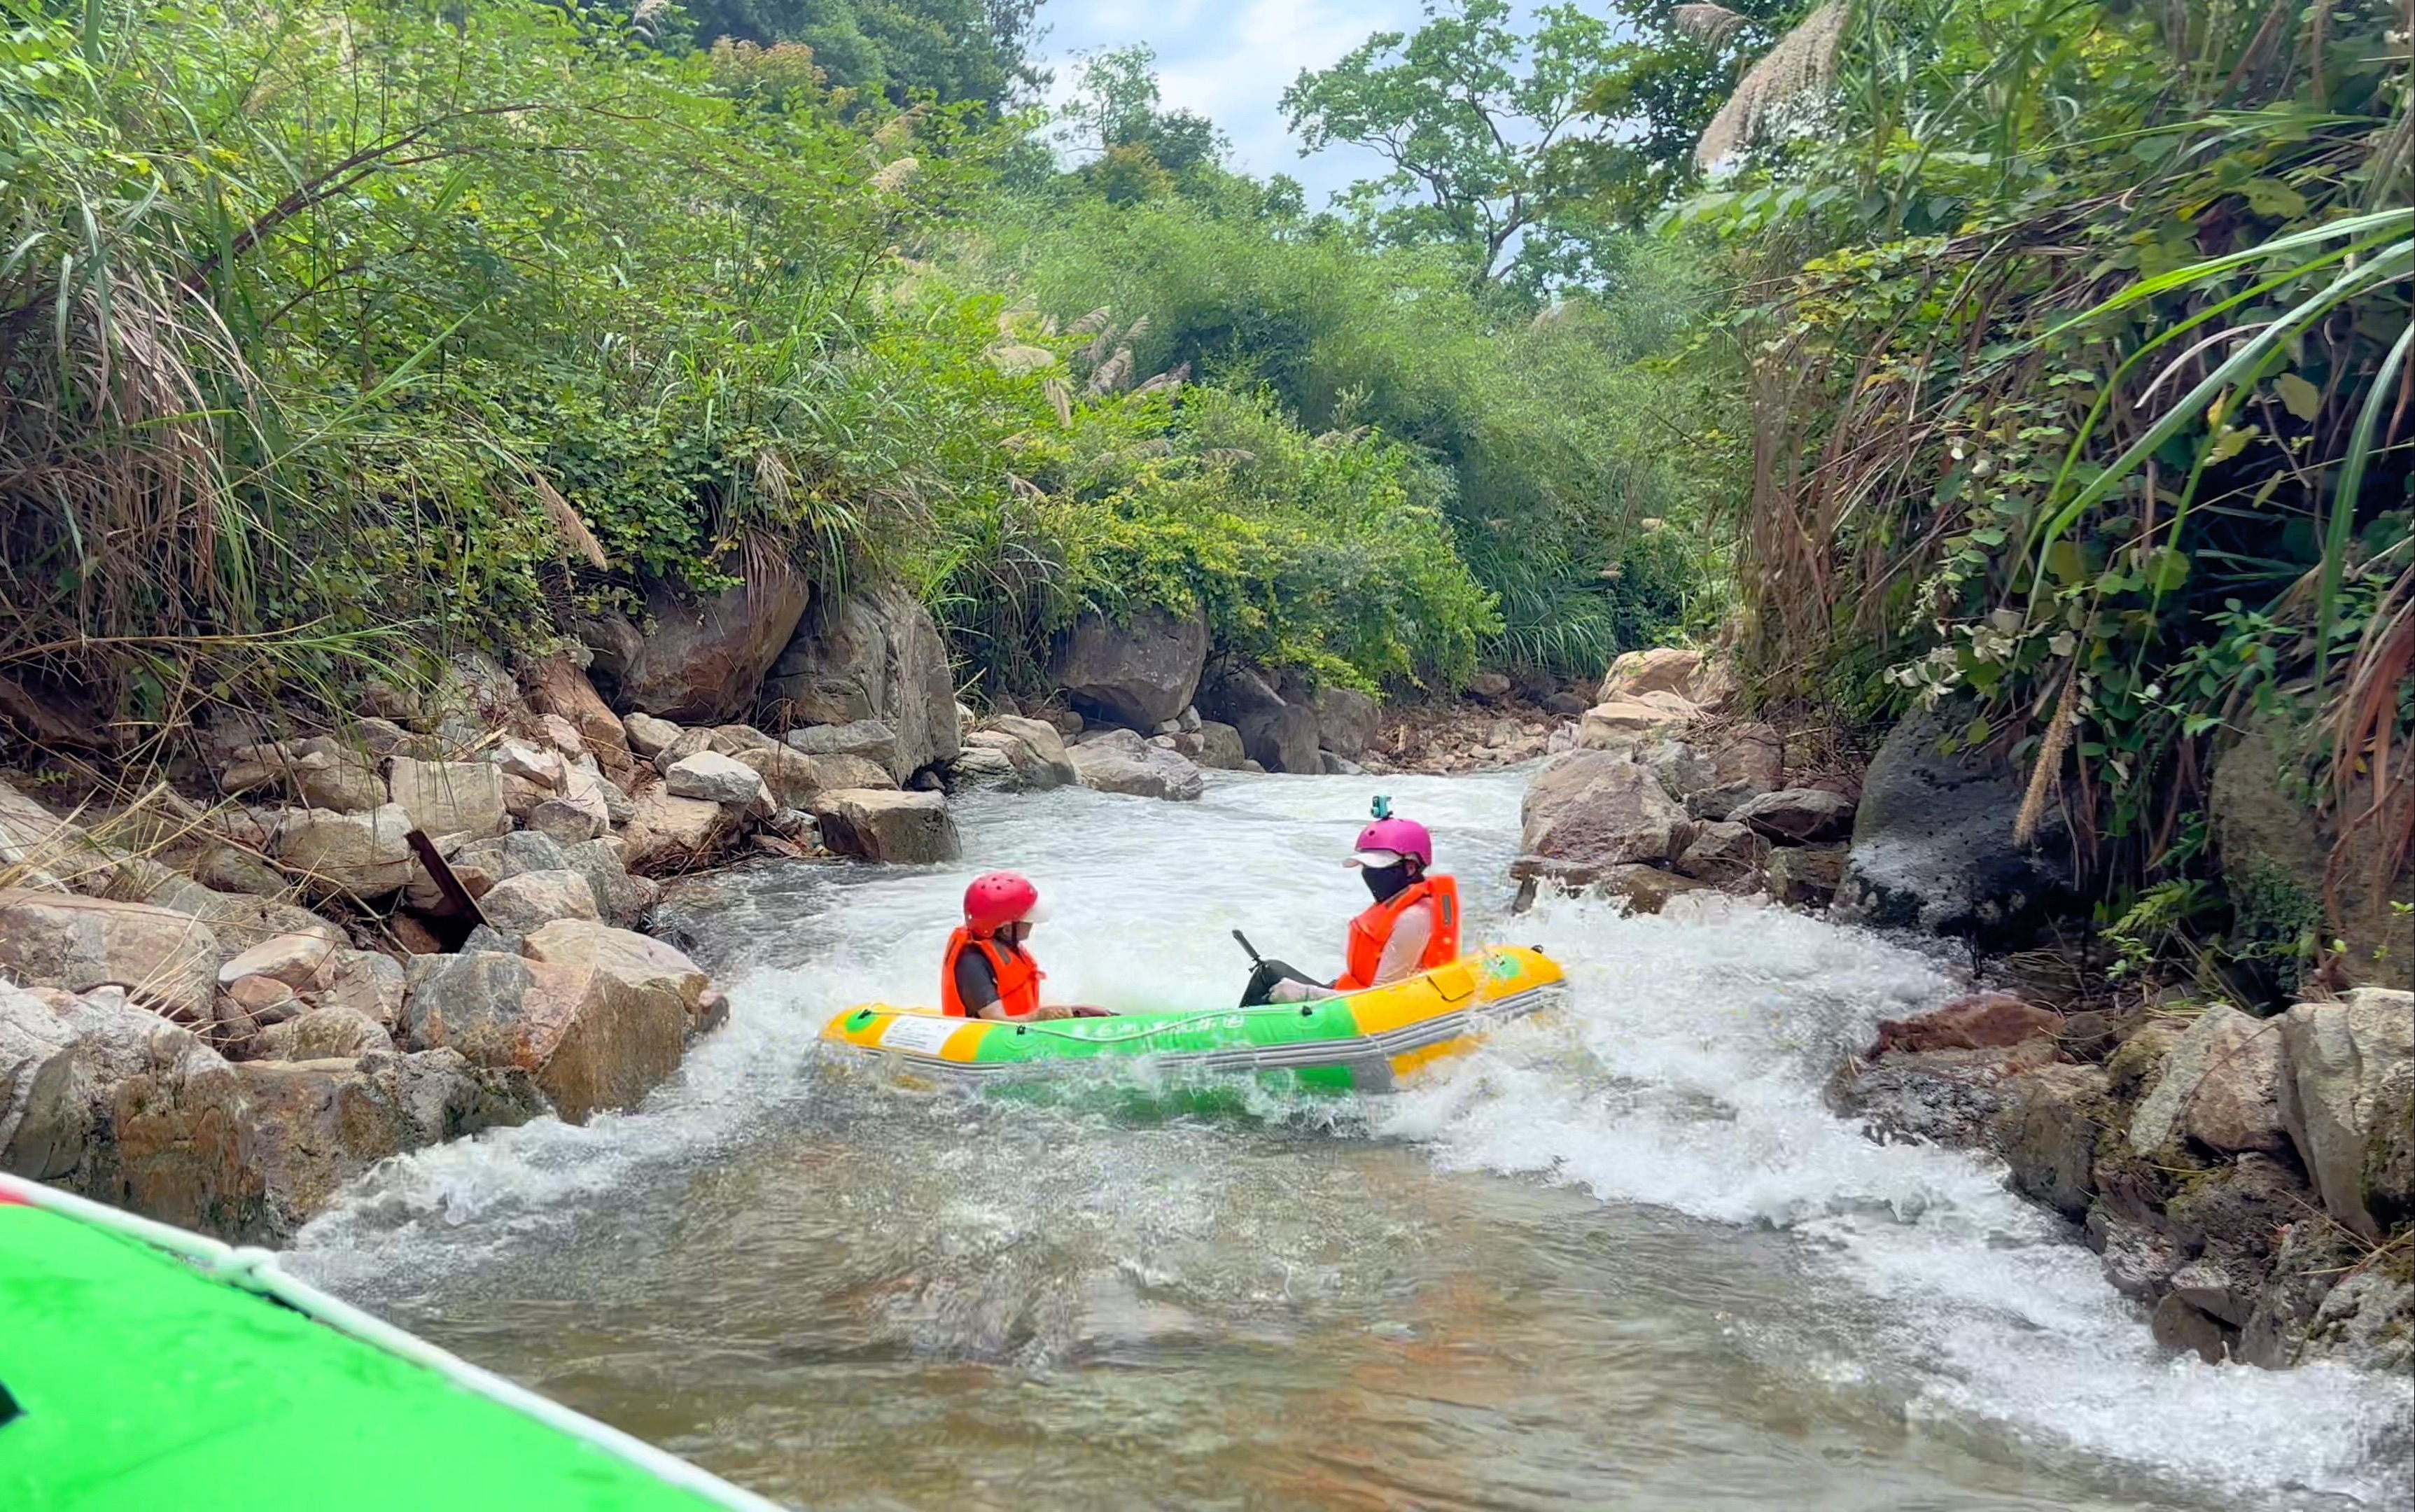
(976, 983)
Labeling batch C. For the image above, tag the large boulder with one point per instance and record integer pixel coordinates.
(1724, 855)
(877, 656)
(1122, 762)
(638, 963)
(887, 825)
(1588, 811)
(1347, 721)
(867, 739)
(1660, 670)
(2345, 1096)
(1277, 735)
(450, 798)
(122, 1106)
(365, 854)
(589, 1041)
(622, 900)
(2221, 1087)
(1933, 847)
(1220, 746)
(164, 960)
(1140, 673)
(705, 660)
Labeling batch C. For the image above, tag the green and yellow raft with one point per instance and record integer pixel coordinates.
(1364, 1041)
(143, 1369)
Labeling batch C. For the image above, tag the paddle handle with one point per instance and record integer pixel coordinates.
(1256, 959)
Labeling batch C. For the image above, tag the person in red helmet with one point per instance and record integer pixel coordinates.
(1412, 926)
(988, 973)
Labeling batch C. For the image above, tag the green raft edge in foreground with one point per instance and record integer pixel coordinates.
(150, 1369)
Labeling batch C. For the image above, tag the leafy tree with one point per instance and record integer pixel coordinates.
(1135, 149)
(1492, 155)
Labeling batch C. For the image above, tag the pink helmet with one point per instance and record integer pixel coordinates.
(1388, 836)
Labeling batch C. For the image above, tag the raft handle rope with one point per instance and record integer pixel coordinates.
(256, 1270)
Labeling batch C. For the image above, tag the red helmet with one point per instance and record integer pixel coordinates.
(997, 899)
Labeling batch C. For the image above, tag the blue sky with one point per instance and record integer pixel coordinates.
(1231, 60)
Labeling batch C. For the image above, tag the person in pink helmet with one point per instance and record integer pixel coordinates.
(1412, 926)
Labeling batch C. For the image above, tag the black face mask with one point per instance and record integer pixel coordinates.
(1387, 881)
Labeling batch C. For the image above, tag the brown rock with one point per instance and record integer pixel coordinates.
(1621, 723)
(533, 899)
(589, 1040)
(877, 656)
(364, 982)
(298, 961)
(1984, 1021)
(1662, 669)
(2047, 1132)
(321, 1034)
(704, 660)
(637, 962)
(1141, 673)
(664, 830)
(558, 687)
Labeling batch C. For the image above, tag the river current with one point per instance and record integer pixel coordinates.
(1620, 1257)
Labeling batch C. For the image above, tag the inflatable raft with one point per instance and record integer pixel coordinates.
(143, 1369)
(1363, 1042)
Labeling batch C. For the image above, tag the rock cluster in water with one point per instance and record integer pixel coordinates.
(2251, 1180)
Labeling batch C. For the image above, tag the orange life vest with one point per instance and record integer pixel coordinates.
(1372, 929)
(1018, 977)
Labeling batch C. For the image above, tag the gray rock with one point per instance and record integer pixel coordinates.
(2221, 1085)
(2344, 1100)
(1279, 735)
(1724, 855)
(886, 824)
(1796, 815)
(715, 778)
(519, 904)
(1042, 762)
(1944, 1097)
(1490, 686)
(1933, 841)
(513, 854)
(1347, 721)
(1140, 673)
(633, 962)
(2046, 1128)
(1220, 746)
(163, 960)
(2184, 1330)
(1122, 762)
(364, 982)
(704, 660)
(1804, 875)
(299, 961)
(983, 766)
(622, 900)
(868, 739)
(879, 656)
(1592, 810)
(323, 1034)
(648, 737)
(666, 830)
(450, 798)
(365, 854)
(792, 778)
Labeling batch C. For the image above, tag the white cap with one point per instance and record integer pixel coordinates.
(1376, 858)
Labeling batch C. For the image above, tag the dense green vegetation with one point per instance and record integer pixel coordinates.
(2049, 355)
(2080, 392)
(331, 323)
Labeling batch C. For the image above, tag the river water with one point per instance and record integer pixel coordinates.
(1620, 1257)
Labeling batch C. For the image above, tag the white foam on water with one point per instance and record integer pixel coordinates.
(1686, 1073)
(1694, 1084)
